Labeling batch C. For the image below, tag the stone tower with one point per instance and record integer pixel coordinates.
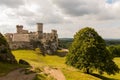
(40, 30)
(55, 36)
(19, 28)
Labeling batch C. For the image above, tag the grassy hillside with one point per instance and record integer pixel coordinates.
(70, 73)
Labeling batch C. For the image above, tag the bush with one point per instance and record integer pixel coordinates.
(38, 51)
(21, 61)
(113, 51)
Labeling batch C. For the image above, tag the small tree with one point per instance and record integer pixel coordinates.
(88, 52)
(113, 51)
(38, 51)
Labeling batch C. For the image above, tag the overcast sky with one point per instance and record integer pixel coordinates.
(66, 16)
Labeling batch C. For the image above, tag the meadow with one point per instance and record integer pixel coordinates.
(39, 61)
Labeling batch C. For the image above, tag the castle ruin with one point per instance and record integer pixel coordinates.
(23, 39)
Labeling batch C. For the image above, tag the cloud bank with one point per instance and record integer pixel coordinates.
(67, 16)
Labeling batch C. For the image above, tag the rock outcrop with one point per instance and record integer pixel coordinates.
(5, 52)
(21, 61)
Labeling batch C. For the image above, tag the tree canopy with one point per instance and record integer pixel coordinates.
(88, 52)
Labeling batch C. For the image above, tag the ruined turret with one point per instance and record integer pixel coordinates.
(19, 28)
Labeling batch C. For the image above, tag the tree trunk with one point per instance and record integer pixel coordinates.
(87, 71)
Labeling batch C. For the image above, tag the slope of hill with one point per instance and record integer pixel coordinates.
(56, 62)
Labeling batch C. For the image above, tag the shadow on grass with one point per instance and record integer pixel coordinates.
(102, 77)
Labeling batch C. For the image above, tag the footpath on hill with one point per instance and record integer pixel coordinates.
(55, 73)
(18, 74)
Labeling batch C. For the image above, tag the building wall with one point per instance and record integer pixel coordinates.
(20, 45)
(21, 37)
(33, 36)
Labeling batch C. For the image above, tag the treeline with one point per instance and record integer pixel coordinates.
(112, 41)
(113, 45)
(114, 50)
(66, 42)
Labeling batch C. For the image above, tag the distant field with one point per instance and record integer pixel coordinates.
(59, 62)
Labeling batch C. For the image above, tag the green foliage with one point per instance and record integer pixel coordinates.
(3, 40)
(88, 52)
(112, 41)
(113, 51)
(118, 49)
(4, 47)
(65, 42)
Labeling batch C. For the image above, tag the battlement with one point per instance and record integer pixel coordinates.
(20, 29)
(19, 26)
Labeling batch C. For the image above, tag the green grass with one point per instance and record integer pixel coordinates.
(70, 73)
(7, 67)
(39, 60)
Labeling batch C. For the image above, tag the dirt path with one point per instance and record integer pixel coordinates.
(56, 73)
(18, 74)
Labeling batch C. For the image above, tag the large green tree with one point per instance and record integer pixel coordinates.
(88, 52)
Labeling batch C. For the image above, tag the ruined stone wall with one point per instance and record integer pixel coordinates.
(20, 45)
(24, 31)
(33, 36)
(21, 37)
(50, 42)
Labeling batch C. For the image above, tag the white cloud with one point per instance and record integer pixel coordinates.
(12, 3)
(67, 16)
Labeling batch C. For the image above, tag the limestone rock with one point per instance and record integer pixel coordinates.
(5, 52)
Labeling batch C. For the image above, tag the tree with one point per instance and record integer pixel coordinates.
(38, 51)
(113, 51)
(88, 52)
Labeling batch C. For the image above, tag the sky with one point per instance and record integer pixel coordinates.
(66, 16)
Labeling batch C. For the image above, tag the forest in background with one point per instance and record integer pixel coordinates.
(66, 42)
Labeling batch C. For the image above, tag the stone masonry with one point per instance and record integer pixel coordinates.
(23, 39)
